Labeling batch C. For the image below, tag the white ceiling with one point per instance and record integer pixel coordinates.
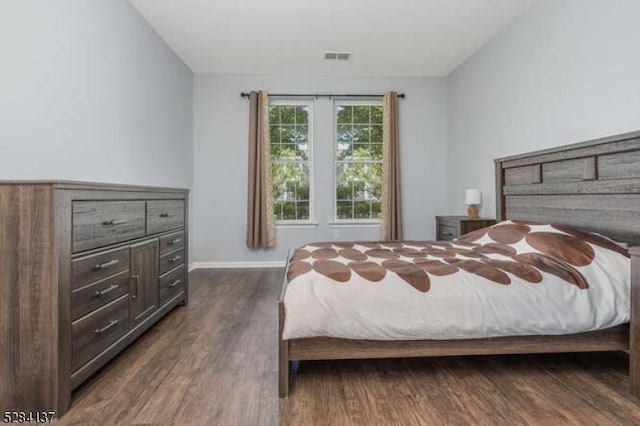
(387, 37)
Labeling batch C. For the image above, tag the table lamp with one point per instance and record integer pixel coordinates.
(472, 197)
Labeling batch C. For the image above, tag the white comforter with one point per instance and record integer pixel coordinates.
(323, 300)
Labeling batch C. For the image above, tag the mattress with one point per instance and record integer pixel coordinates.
(513, 278)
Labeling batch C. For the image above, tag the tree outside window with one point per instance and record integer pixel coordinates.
(358, 165)
(290, 143)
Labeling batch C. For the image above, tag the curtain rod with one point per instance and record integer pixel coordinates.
(321, 95)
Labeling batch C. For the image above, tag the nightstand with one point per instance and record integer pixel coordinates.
(450, 227)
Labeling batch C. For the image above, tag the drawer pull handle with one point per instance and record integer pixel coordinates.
(167, 215)
(114, 222)
(105, 265)
(448, 234)
(174, 241)
(106, 327)
(84, 211)
(174, 283)
(175, 259)
(135, 278)
(107, 290)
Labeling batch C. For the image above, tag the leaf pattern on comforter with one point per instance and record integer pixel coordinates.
(524, 250)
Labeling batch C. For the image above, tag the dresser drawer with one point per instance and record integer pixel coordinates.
(100, 223)
(91, 297)
(171, 242)
(164, 215)
(171, 260)
(171, 284)
(89, 269)
(95, 332)
(447, 232)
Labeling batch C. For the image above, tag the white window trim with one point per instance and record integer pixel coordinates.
(312, 117)
(365, 223)
(336, 221)
(296, 224)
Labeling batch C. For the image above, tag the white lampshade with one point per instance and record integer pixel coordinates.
(472, 196)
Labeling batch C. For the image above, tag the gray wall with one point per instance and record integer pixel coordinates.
(565, 71)
(220, 160)
(88, 91)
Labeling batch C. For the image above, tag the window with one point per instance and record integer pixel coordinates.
(290, 143)
(358, 160)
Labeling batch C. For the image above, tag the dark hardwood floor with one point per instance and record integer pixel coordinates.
(214, 362)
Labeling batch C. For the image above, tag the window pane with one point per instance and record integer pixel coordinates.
(302, 114)
(365, 172)
(374, 190)
(359, 190)
(287, 152)
(277, 209)
(376, 151)
(374, 173)
(362, 152)
(344, 173)
(302, 210)
(287, 134)
(274, 134)
(279, 180)
(361, 210)
(289, 211)
(345, 133)
(275, 149)
(344, 152)
(274, 114)
(302, 151)
(287, 114)
(344, 182)
(290, 158)
(302, 191)
(344, 192)
(361, 114)
(359, 161)
(344, 114)
(375, 209)
(376, 115)
(345, 210)
(286, 176)
(360, 133)
(376, 134)
(301, 133)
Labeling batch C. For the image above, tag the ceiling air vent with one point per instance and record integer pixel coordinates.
(337, 56)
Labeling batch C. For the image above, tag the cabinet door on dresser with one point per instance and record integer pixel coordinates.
(144, 281)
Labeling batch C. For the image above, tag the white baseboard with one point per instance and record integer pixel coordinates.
(217, 265)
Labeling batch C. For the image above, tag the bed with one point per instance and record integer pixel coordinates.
(585, 188)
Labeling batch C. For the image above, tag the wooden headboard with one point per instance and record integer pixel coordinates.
(593, 186)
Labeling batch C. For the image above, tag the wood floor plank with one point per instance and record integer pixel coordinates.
(214, 362)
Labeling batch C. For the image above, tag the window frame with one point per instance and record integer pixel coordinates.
(348, 102)
(311, 104)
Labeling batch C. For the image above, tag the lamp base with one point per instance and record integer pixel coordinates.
(472, 211)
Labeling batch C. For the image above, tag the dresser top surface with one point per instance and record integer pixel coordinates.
(72, 184)
(471, 219)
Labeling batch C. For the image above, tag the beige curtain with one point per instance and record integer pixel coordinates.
(391, 201)
(260, 221)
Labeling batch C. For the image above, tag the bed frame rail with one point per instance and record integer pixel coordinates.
(284, 363)
(318, 348)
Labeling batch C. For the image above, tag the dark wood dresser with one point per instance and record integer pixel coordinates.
(450, 227)
(84, 270)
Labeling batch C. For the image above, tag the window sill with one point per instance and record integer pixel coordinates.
(362, 223)
(297, 224)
